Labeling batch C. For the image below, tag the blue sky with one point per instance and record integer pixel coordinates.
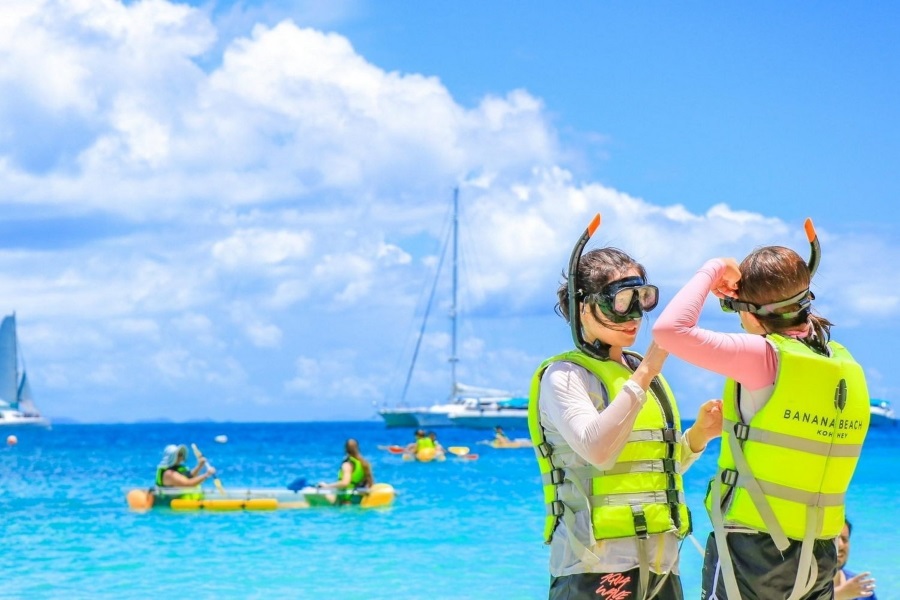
(233, 210)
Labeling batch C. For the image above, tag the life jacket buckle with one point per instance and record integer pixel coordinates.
(640, 522)
(668, 465)
(557, 508)
(557, 476)
(729, 477)
(670, 436)
(672, 497)
(545, 449)
(741, 431)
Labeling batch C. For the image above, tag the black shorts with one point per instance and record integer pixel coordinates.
(613, 586)
(763, 572)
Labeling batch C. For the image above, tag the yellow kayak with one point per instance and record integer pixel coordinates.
(425, 455)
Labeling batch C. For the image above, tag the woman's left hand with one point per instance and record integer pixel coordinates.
(707, 426)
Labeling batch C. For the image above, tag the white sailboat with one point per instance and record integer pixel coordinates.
(17, 406)
(508, 413)
(462, 397)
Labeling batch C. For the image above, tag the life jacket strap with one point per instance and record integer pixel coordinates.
(783, 440)
(668, 435)
(808, 568)
(751, 484)
(671, 496)
(727, 567)
(653, 465)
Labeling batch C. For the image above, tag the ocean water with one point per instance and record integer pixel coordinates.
(457, 529)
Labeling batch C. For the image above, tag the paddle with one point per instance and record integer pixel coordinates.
(216, 481)
(393, 449)
(297, 484)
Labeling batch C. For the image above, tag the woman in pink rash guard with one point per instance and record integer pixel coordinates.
(783, 374)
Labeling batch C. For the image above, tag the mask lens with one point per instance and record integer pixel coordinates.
(648, 295)
(621, 302)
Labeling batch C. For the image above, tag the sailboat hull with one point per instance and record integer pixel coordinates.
(399, 417)
(508, 419)
(14, 418)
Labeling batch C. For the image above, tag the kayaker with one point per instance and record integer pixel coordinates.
(796, 412)
(355, 471)
(500, 438)
(172, 472)
(421, 442)
(608, 440)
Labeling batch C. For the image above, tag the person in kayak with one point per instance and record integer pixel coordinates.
(172, 472)
(355, 472)
(422, 442)
(608, 440)
(499, 437)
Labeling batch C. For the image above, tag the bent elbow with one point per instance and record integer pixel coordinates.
(663, 334)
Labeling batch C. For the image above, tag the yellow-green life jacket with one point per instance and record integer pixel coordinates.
(357, 475)
(786, 472)
(190, 492)
(642, 493)
(424, 442)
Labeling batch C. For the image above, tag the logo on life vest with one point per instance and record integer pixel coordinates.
(824, 421)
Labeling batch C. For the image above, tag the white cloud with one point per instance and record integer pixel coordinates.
(278, 188)
(252, 247)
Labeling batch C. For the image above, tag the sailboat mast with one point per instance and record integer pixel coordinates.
(453, 309)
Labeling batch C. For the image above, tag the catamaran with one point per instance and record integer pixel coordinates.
(462, 397)
(17, 406)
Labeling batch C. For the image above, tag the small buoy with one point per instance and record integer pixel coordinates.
(139, 500)
(12, 440)
(221, 439)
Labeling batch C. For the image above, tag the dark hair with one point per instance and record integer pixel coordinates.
(596, 268)
(773, 273)
(351, 447)
(849, 526)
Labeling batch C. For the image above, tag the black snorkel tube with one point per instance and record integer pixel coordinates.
(596, 350)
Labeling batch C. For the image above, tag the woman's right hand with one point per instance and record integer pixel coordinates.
(211, 471)
(727, 283)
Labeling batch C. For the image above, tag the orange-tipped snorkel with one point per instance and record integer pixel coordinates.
(574, 293)
(815, 252)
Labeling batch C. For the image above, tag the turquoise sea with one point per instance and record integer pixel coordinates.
(457, 529)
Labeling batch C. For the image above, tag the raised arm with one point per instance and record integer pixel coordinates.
(746, 358)
(598, 437)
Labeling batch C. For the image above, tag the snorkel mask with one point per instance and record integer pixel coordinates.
(620, 301)
(625, 299)
(803, 299)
